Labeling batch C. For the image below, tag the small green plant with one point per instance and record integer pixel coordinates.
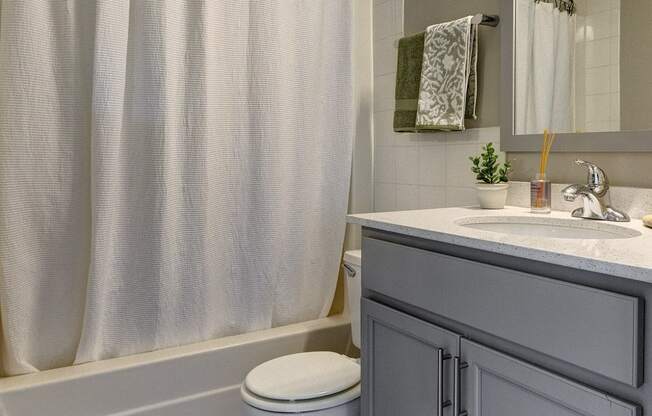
(486, 166)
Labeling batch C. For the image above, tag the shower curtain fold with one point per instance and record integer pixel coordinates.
(544, 66)
(170, 172)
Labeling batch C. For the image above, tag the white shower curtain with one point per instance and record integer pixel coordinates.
(544, 65)
(170, 171)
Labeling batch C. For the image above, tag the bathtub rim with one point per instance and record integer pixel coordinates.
(87, 370)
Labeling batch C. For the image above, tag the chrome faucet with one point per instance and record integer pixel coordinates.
(595, 196)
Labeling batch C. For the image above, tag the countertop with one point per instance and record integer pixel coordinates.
(630, 258)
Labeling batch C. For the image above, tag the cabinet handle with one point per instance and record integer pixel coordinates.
(441, 404)
(457, 368)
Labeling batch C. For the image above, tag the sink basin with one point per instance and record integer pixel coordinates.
(549, 227)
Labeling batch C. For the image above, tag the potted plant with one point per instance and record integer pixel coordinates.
(492, 178)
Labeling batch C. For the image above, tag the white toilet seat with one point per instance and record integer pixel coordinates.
(303, 382)
(300, 406)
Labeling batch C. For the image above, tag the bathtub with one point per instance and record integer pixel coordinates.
(194, 380)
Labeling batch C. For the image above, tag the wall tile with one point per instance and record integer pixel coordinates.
(388, 19)
(458, 166)
(614, 125)
(384, 197)
(597, 80)
(407, 164)
(597, 107)
(597, 6)
(482, 135)
(598, 26)
(433, 138)
(384, 92)
(432, 197)
(614, 23)
(598, 53)
(432, 165)
(614, 50)
(615, 78)
(407, 197)
(599, 50)
(615, 107)
(385, 164)
(383, 128)
(385, 55)
(461, 197)
(598, 126)
(580, 33)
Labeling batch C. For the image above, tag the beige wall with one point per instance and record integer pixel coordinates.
(636, 61)
(624, 169)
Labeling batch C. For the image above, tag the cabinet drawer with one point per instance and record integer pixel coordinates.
(593, 329)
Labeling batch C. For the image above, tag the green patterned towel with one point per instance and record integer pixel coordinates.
(408, 78)
(448, 88)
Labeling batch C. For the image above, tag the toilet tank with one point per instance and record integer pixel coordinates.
(353, 260)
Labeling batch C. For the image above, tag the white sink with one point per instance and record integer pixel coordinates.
(549, 227)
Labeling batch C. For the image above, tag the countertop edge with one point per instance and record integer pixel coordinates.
(620, 270)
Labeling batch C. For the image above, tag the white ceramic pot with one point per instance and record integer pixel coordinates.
(492, 196)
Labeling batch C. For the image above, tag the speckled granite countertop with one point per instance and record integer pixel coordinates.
(630, 258)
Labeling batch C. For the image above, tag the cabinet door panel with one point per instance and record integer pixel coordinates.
(495, 384)
(401, 365)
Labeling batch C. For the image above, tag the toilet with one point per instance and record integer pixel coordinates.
(320, 383)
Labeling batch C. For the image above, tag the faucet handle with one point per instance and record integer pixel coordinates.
(597, 179)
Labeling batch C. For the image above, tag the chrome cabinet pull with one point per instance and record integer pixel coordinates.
(441, 404)
(457, 368)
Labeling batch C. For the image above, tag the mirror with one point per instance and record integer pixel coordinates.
(581, 66)
(607, 94)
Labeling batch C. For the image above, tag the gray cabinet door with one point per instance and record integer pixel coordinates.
(495, 384)
(406, 362)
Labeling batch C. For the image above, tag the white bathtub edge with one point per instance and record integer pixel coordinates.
(192, 375)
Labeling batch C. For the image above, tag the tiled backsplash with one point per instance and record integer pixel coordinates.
(426, 170)
(415, 170)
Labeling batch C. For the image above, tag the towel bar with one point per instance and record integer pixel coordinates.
(479, 19)
(486, 20)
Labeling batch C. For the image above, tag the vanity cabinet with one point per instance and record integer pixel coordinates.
(450, 334)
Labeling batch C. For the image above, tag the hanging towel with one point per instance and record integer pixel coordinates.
(408, 78)
(448, 88)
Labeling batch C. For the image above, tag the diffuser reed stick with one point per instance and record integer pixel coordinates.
(540, 187)
(548, 141)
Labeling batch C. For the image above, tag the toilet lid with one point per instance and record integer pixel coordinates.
(303, 376)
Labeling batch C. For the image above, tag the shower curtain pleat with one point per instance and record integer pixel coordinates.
(170, 172)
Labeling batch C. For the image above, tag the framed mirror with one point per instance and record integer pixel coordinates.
(579, 68)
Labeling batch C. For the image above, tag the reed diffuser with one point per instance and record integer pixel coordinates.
(541, 187)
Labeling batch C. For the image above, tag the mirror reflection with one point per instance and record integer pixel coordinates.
(581, 66)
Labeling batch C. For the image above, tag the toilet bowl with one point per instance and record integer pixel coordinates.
(320, 383)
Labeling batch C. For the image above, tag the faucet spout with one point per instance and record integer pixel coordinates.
(595, 197)
(571, 192)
